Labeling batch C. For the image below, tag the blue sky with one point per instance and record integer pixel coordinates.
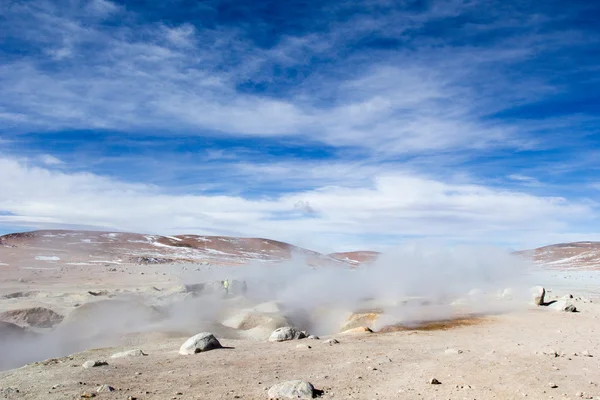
(335, 125)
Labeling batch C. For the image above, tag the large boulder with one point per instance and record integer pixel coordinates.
(538, 293)
(563, 305)
(204, 341)
(38, 317)
(292, 390)
(286, 333)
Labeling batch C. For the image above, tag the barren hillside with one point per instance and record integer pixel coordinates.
(577, 255)
(89, 248)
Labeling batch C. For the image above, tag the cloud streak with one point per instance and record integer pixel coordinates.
(396, 205)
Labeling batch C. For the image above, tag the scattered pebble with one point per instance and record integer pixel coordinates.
(434, 381)
(105, 388)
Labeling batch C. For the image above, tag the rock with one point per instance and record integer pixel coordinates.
(563, 305)
(538, 293)
(303, 347)
(38, 317)
(586, 353)
(360, 329)
(553, 385)
(313, 337)
(434, 381)
(331, 342)
(105, 388)
(129, 353)
(94, 363)
(286, 333)
(453, 351)
(86, 395)
(292, 390)
(204, 341)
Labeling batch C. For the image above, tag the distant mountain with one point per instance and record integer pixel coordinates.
(578, 255)
(93, 248)
(89, 247)
(356, 257)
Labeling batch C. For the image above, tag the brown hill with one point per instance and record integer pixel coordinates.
(89, 247)
(356, 257)
(577, 255)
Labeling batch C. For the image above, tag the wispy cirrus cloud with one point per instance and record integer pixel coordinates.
(424, 95)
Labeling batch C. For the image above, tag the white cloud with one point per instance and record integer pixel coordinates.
(526, 180)
(395, 206)
(50, 160)
(434, 98)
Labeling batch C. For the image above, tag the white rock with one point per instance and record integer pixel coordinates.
(129, 353)
(286, 333)
(201, 342)
(105, 388)
(94, 363)
(303, 347)
(331, 341)
(563, 305)
(292, 390)
(538, 293)
(314, 337)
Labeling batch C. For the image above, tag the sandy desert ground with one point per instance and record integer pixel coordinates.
(477, 344)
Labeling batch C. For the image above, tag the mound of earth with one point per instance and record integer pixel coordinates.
(112, 316)
(38, 317)
(10, 329)
(357, 320)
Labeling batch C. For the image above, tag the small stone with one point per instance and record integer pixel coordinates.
(286, 333)
(94, 363)
(553, 385)
(129, 353)
(331, 341)
(86, 395)
(434, 381)
(586, 353)
(303, 347)
(105, 388)
(579, 394)
(313, 337)
(453, 351)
